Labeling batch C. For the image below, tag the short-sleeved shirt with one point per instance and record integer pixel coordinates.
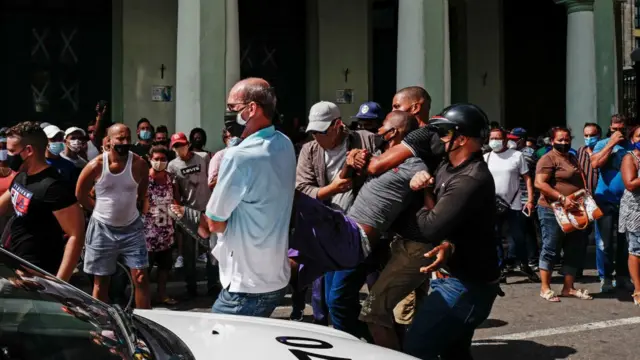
(36, 235)
(564, 173)
(425, 144)
(254, 195)
(610, 185)
(191, 177)
(66, 169)
(382, 198)
(507, 168)
(214, 164)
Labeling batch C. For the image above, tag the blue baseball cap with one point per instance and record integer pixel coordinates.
(369, 111)
(517, 133)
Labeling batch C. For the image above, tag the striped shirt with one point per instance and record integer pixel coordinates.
(591, 174)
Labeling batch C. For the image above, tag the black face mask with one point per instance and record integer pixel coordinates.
(197, 144)
(14, 162)
(563, 148)
(231, 125)
(122, 149)
(379, 141)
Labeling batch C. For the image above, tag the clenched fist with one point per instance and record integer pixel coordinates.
(421, 180)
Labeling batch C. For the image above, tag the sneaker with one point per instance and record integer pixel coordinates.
(624, 283)
(534, 266)
(606, 286)
(529, 273)
(296, 315)
(203, 258)
(179, 262)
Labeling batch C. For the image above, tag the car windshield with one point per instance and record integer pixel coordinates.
(42, 317)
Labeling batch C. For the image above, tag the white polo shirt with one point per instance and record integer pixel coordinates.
(254, 194)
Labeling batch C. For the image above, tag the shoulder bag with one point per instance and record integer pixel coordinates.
(585, 213)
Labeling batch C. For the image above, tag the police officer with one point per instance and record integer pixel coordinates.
(459, 206)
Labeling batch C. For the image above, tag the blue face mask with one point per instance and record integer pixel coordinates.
(591, 141)
(145, 135)
(233, 141)
(637, 145)
(56, 148)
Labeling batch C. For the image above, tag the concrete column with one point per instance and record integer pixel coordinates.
(208, 64)
(423, 56)
(233, 44)
(607, 62)
(187, 92)
(116, 107)
(581, 96)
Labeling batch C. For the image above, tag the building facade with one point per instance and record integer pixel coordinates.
(173, 61)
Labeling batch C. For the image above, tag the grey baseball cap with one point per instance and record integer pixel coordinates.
(321, 115)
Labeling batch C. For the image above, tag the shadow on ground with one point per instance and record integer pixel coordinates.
(519, 349)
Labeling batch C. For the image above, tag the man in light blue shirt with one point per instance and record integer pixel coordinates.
(607, 157)
(251, 206)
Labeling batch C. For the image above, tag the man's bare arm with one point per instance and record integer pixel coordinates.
(388, 160)
(142, 177)
(5, 202)
(71, 220)
(87, 178)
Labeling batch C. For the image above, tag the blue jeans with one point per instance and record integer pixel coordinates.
(514, 220)
(342, 290)
(605, 241)
(447, 319)
(259, 305)
(553, 239)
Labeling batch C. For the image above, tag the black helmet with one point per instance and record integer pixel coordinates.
(465, 119)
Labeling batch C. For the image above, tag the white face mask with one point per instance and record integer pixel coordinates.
(3, 154)
(512, 144)
(239, 119)
(496, 145)
(158, 165)
(75, 145)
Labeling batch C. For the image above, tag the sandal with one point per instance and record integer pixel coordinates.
(636, 298)
(582, 294)
(550, 296)
(169, 301)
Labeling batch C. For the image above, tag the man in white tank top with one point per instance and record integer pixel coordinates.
(116, 229)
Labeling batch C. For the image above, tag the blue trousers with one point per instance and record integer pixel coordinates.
(608, 260)
(259, 305)
(447, 318)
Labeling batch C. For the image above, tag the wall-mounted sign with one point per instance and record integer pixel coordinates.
(344, 96)
(163, 93)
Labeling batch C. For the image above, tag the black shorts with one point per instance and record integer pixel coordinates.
(163, 259)
(399, 278)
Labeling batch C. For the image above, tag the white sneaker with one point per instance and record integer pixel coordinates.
(179, 262)
(203, 258)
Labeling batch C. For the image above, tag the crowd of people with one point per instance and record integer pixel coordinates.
(417, 207)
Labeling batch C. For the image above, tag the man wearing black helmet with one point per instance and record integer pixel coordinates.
(462, 193)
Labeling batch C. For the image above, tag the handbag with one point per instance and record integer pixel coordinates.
(501, 204)
(584, 214)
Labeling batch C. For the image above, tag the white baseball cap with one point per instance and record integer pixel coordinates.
(321, 115)
(74, 129)
(51, 131)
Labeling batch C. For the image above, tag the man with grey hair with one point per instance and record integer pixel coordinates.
(251, 205)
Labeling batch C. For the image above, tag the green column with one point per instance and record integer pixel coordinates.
(213, 92)
(606, 59)
(436, 50)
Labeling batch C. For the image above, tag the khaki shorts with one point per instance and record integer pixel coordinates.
(406, 308)
(400, 277)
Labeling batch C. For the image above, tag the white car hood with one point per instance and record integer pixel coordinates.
(214, 336)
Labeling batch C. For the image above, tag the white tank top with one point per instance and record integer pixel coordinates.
(116, 195)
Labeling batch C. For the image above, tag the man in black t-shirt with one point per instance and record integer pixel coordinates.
(45, 206)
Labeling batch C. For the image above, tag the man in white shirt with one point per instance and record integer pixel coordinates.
(507, 167)
(250, 207)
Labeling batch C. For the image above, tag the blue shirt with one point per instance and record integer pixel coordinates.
(66, 169)
(610, 186)
(254, 195)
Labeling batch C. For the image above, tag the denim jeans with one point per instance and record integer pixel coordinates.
(259, 305)
(553, 238)
(514, 220)
(447, 319)
(605, 243)
(318, 303)
(342, 290)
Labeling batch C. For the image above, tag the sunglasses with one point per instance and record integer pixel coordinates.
(443, 130)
